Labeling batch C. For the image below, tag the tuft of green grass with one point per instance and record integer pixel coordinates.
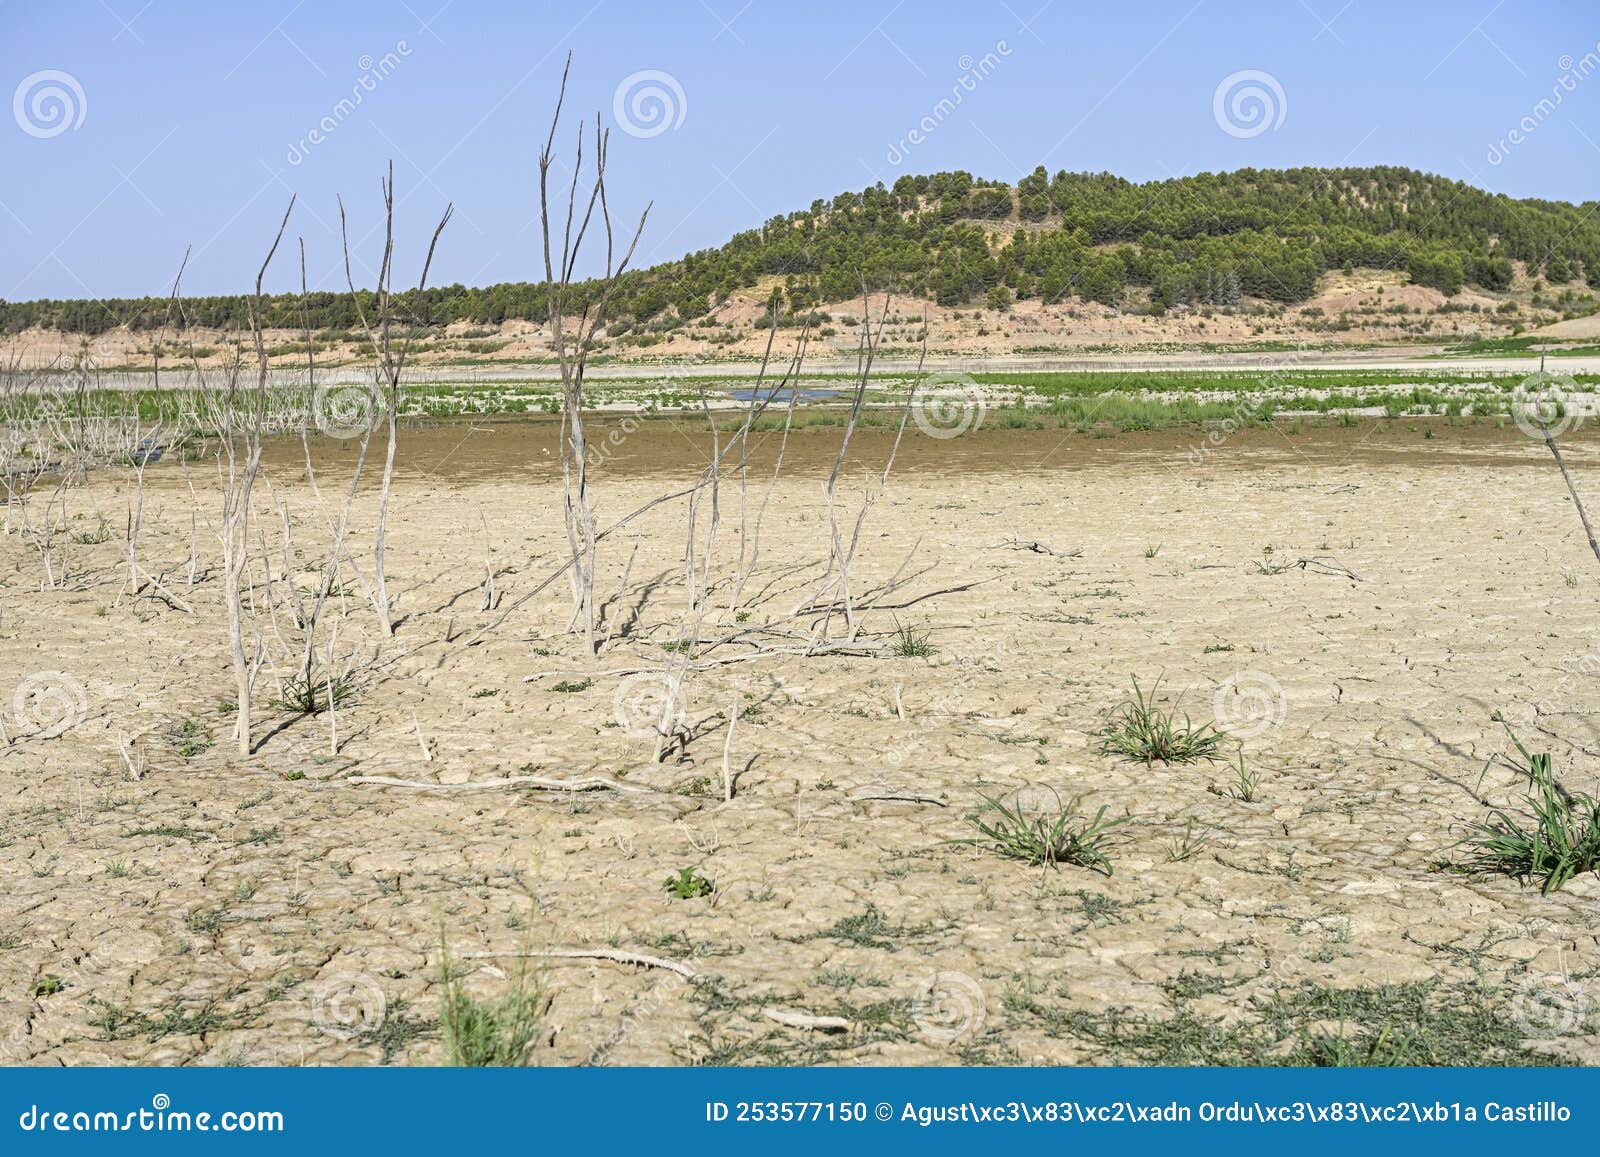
(1066, 837)
(689, 884)
(909, 643)
(1245, 781)
(312, 695)
(1562, 841)
(100, 534)
(501, 1032)
(572, 686)
(1383, 1049)
(1186, 846)
(1138, 729)
(1266, 564)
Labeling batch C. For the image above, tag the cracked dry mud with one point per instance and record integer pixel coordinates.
(263, 911)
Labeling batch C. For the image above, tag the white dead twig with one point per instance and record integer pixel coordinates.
(805, 1020)
(536, 782)
(727, 748)
(615, 955)
(427, 755)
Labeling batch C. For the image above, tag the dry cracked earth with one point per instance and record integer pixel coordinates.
(218, 909)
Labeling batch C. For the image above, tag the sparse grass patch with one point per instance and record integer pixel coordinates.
(189, 738)
(495, 1033)
(1138, 729)
(303, 695)
(1467, 1023)
(1562, 841)
(1186, 846)
(1246, 780)
(119, 1022)
(909, 643)
(1066, 837)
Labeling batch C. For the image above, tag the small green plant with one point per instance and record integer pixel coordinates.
(688, 884)
(1266, 564)
(1152, 551)
(1245, 781)
(189, 738)
(498, 1032)
(572, 686)
(313, 694)
(1186, 846)
(47, 985)
(1138, 729)
(909, 643)
(1382, 1049)
(1066, 837)
(1563, 840)
(101, 533)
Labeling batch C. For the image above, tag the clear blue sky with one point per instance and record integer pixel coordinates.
(193, 122)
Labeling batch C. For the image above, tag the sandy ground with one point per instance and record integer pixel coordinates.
(220, 910)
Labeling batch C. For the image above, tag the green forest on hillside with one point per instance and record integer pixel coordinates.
(1205, 239)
